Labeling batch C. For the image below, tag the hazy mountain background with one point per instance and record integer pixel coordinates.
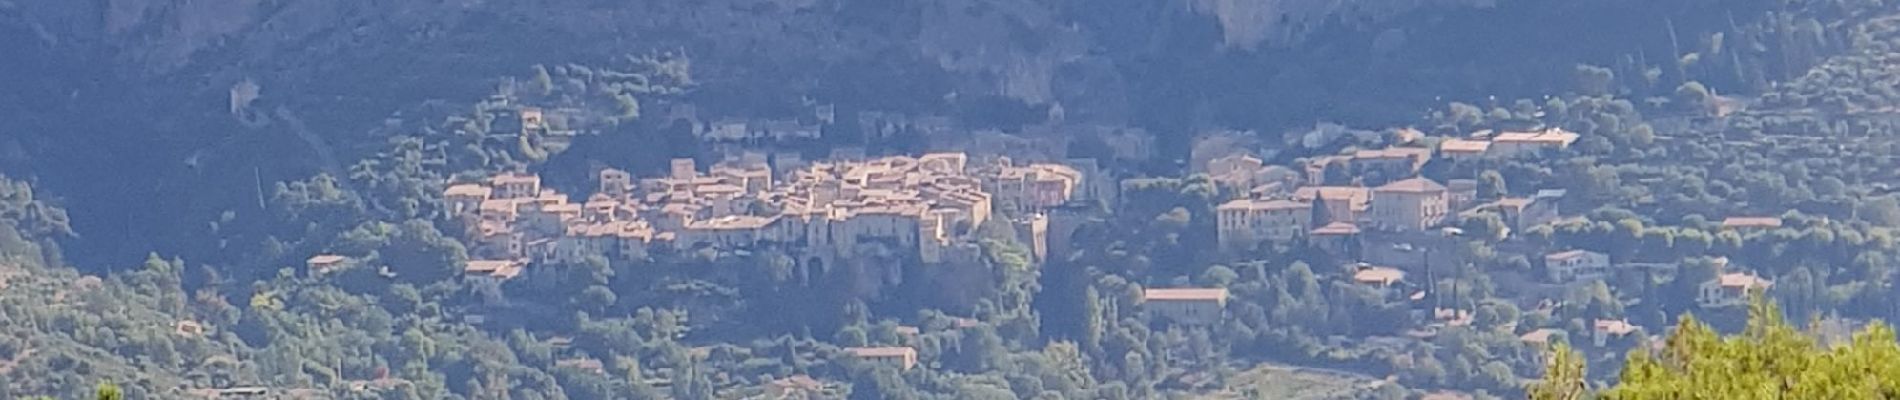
(126, 99)
(124, 154)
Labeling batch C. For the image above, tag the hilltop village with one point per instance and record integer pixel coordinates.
(1375, 211)
(862, 243)
(928, 206)
(950, 200)
(1383, 245)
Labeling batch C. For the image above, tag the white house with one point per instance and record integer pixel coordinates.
(1186, 306)
(1605, 330)
(1576, 265)
(1730, 290)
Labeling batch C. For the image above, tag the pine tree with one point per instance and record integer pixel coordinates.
(108, 391)
(1095, 320)
(543, 83)
(1769, 360)
(1564, 376)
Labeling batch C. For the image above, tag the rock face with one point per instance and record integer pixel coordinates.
(1008, 47)
(1020, 43)
(156, 37)
(1247, 24)
(178, 29)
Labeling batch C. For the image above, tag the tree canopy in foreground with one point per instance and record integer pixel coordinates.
(1771, 359)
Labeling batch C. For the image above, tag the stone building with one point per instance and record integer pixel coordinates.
(1413, 204)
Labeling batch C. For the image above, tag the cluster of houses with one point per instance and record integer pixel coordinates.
(1332, 214)
(1328, 205)
(1283, 204)
(928, 206)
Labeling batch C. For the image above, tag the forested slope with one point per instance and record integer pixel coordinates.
(366, 112)
(163, 72)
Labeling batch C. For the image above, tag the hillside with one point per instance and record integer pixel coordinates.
(61, 331)
(345, 66)
(328, 198)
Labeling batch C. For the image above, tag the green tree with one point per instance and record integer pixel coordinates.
(596, 299)
(108, 391)
(1696, 97)
(1564, 376)
(1095, 319)
(629, 107)
(1595, 80)
(543, 83)
(1770, 359)
(1491, 185)
(1218, 276)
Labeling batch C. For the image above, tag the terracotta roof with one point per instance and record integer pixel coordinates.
(496, 268)
(720, 188)
(467, 189)
(1336, 229)
(881, 352)
(1263, 205)
(499, 205)
(601, 201)
(733, 222)
(1556, 136)
(1540, 336)
(1565, 255)
(1744, 280)
(679, 208)
(1617, 327)
(1358, 196)
(325, 259)
(1184, 295)
(1392, 152)
(1240, 157)
(1515, 203)
(1751, 222)
(604, 229)
(515, 178)
(1378, 275)
(1414, 185)
(1464, 146)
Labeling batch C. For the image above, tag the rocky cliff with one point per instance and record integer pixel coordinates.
(1012, 47)
(1248, 24)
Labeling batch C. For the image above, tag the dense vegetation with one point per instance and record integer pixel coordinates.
(1709, 109)
(1770, 360)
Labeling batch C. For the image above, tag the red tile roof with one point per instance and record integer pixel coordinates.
(1751, 222)
(1184, 294)
(1414, 185)
(1464, 146)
